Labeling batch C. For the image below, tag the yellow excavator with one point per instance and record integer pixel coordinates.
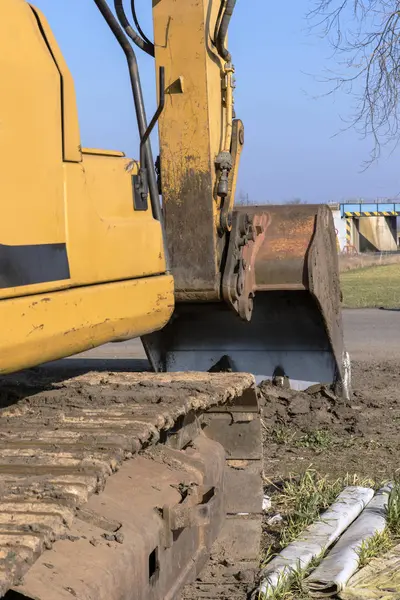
(118, 484)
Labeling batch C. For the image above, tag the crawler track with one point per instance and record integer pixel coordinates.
(60, 442)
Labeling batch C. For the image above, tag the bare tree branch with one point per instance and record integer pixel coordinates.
(365, 35)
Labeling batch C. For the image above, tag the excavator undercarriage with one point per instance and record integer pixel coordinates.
(117, 485)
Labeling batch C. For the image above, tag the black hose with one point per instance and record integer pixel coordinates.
(140, 30)
(138, 99)
(130, 32)
(218, 21)
(156, 116)
(223, 31)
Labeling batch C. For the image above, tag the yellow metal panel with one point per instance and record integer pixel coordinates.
(98, 152)
(31, 182)
(40, 328)
(191, 129)
(71, 135)
(107, 239)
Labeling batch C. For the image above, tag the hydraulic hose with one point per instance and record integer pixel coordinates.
(130, 32)
(229, 71)
(223, 30)
(140, 30)
(221, 11)
(138, 100)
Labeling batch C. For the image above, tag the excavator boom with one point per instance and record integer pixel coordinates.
(256, 285)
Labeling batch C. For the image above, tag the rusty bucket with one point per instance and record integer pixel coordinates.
(296, 325)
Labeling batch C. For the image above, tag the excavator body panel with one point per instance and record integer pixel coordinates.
(71, 241)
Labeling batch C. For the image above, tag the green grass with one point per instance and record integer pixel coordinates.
(317, 440)
(282, 435)
(393, 512)
(291, 588)
(382, 542)
(302, 500)
(372, 287)
(374, 546)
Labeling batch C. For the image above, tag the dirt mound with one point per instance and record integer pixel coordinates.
(337, 437)
(316, 408)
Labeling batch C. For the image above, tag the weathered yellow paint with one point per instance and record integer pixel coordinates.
(31, 152)
(107, 239)
(192, 130)
(99, 152)
(71, 135)
(53, 193)
(45, 327)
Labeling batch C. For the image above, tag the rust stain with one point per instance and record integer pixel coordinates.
(282, 258)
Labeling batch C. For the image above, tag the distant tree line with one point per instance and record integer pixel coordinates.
(243, 199)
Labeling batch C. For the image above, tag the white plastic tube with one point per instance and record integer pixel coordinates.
(315, 540)
(342, 562)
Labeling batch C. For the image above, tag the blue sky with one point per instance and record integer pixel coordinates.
(291, 148)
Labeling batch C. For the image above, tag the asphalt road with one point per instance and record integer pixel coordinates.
(370, 335)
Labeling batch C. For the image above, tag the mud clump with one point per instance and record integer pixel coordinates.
(316, 407)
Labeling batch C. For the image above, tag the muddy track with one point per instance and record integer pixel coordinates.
(59, 443)
(52, 458)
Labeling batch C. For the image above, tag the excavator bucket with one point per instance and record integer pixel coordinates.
(256, 288)
(295, 331)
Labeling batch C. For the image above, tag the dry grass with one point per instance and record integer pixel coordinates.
(362, 261)
(302, 499)
(378, 544)
(372, 287)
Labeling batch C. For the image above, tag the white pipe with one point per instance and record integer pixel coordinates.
(342, 562)
(315, 540)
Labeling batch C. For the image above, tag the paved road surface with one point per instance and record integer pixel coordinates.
(370, 335)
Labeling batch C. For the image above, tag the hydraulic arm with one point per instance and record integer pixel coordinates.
(256, 289)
